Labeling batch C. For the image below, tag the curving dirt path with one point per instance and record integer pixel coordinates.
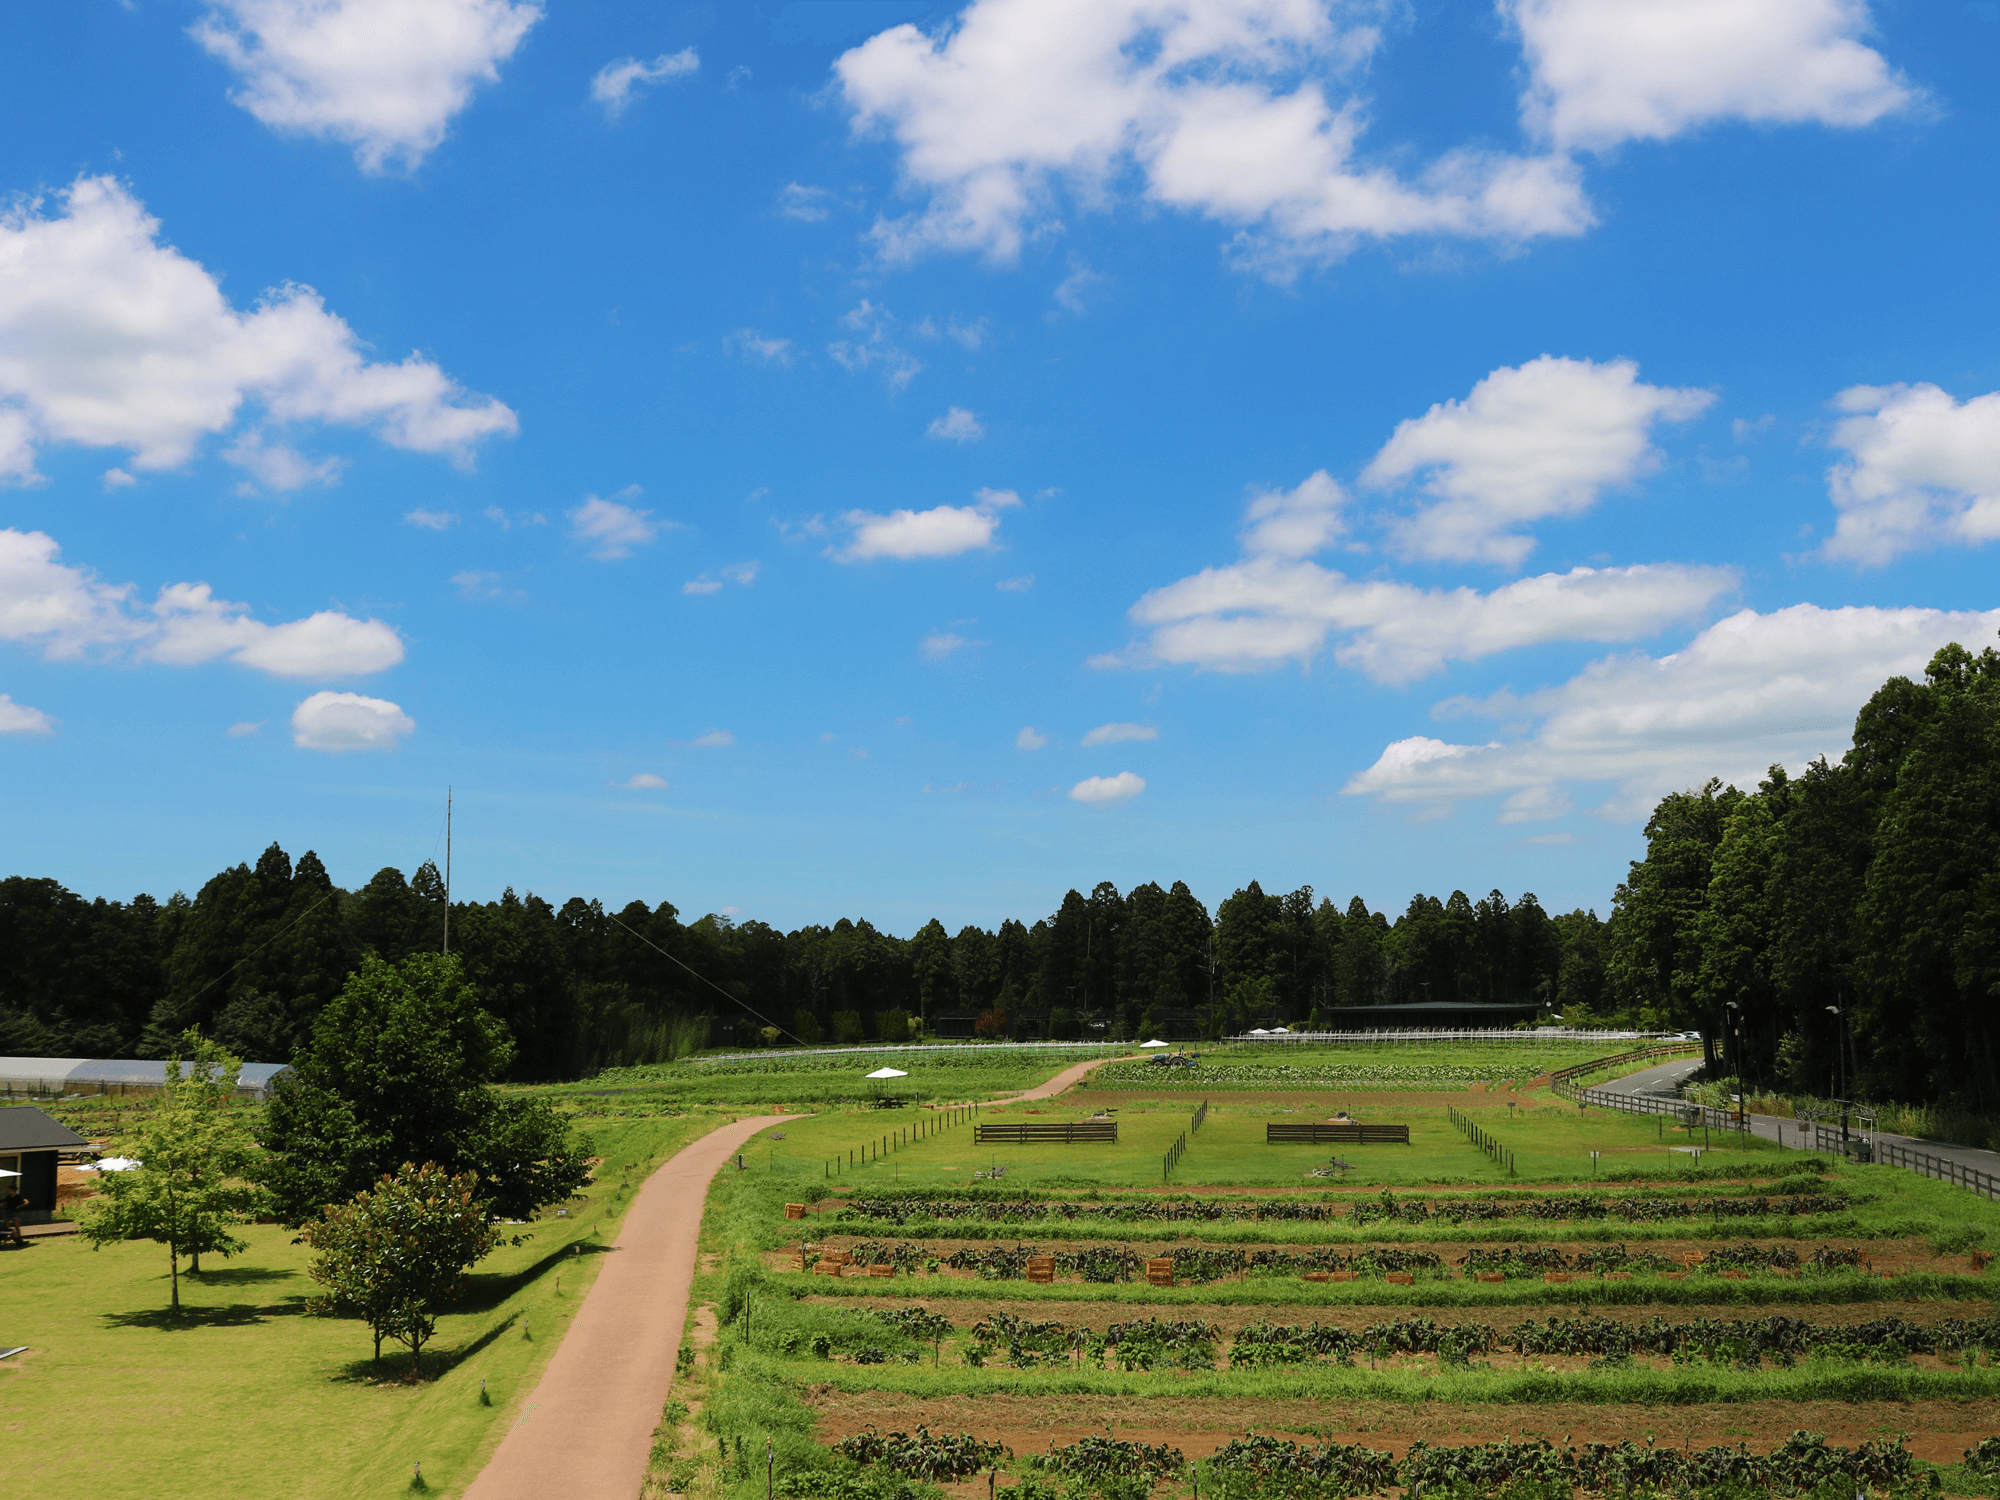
(1065, 1078)
(586, 1430)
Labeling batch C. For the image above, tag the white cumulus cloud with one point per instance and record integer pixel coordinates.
(939, 644)
(1296, 522)
(610, 528)
(1922, 470)
(278, 466)
(348, 721)
(1108, 788)
(1263, 612)
(111, 339)
(19, 718)
(616, 82)
(642, 781)
(384, 76)
(1750, 691)
(1606, 71)
(431, 520)
(942, 531)
(1030, 738)
(1242, 111)
(244, 729)
(68, 613)
(956, 426)
(1542, 439)
(1115, 734)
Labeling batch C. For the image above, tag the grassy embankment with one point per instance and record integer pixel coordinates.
(245, 1395)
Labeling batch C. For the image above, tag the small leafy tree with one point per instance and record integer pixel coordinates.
(195, 1153)
(400, 1251)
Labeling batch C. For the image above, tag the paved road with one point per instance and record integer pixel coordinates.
(586, 1431)
(1663, 1081)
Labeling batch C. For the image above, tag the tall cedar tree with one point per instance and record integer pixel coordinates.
(398, 1070)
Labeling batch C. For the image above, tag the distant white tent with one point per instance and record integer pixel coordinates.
(888, 1073)
(1258, 1031)
(1155, 1044)
(119, 1164)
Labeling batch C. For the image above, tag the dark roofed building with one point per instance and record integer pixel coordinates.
(30, 1142)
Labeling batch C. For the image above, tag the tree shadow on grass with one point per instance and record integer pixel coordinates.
(234, 1315)
(484, 1292)
(438, 1361)
(238, 1275)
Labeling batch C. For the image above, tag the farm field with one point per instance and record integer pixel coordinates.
(247, 1396)
(1422, 1314)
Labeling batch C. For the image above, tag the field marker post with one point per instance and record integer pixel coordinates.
(770, 1466)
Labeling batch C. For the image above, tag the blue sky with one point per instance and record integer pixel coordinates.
(853, 457)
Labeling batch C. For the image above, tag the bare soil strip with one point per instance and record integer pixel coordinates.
(586, 1430)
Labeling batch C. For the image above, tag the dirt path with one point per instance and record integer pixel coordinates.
(585, 1431)
(1065, 1078)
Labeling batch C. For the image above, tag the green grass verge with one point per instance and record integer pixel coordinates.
(247, 1395)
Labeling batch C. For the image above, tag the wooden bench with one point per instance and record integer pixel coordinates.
(1343, 1135)
(1082, 1130)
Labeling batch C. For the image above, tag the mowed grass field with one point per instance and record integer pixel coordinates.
(1761, 1291)
(245, 1395)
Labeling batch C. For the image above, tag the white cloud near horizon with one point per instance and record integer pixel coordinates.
(340, 722)
(1117, 788)
(1030, 738)
(1602, 72)
(1748, 692)
(68, 614)
(383, 76)
(1118, 734)
(1242, 111)
(938, 644)
(616, 83)
(1923, 470)
(19, 718)
(610, 528)
(1537, 440)
(956, 426)
(942, 531)
(110, 338)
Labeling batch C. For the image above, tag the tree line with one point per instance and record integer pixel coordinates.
(255, 956)
(1839, 929)
(1870, 885)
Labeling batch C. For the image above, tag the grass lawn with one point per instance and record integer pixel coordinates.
(1550, 1139)
(245, 1395)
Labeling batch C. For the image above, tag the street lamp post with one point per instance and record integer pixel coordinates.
(1840, 1048)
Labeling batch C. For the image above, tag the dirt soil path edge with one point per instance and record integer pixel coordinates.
(586, 1430)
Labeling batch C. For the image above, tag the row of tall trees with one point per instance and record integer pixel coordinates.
(1854, 908)
(262, 950)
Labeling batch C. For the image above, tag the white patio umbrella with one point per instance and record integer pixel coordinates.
(1155, 1044)
(5, 1173)
(119, 1164)
(1258, 1031)
(888, 1073)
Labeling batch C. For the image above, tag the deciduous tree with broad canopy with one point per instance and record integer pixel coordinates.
(398, 1070)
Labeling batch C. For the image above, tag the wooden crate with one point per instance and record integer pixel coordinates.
(1319, 1275)
(828, 1268)
(881, 1270)
(1491, 1276)
(795, 1210)
(1403, 1278)
(1160, 1271)
(1042, 1269)
(1558, 1277)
